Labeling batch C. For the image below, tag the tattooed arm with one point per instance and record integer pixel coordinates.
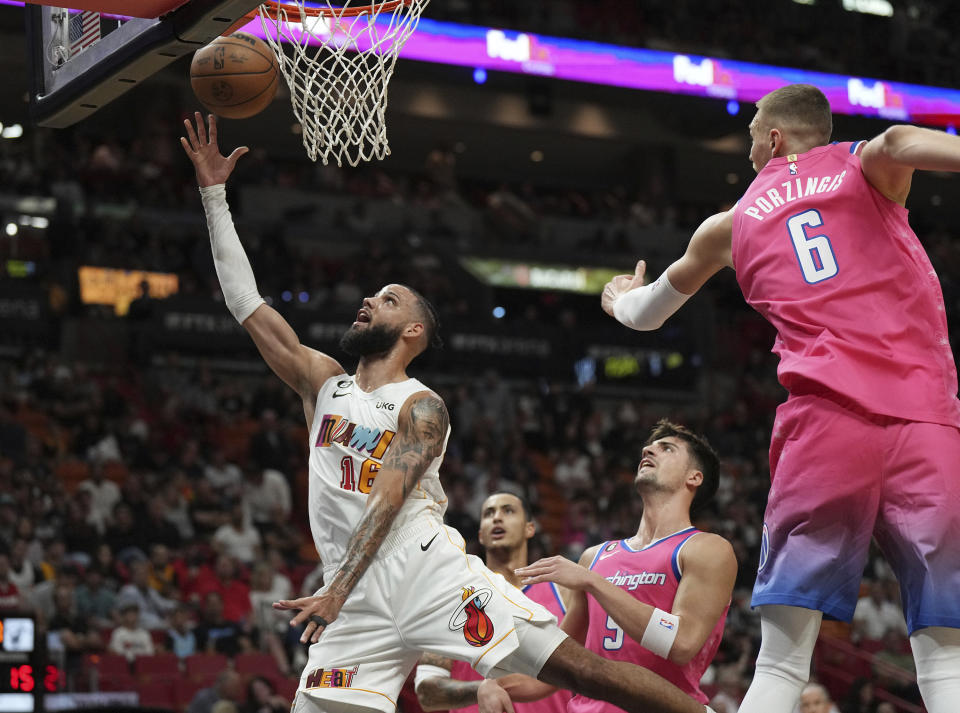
(435, 688)
(422, 430)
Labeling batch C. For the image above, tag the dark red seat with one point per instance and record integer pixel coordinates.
(158, 667)
(157, 694)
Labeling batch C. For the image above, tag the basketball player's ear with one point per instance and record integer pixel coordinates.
(414, 329)
(695, 478)
(529, 529)
(776, 141)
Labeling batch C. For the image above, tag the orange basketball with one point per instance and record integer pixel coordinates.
(235, 77)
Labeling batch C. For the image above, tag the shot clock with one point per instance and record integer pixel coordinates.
(24, 675)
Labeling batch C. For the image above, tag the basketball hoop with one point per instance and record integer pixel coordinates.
(343, 58)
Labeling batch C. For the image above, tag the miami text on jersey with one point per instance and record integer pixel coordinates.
(337, 429)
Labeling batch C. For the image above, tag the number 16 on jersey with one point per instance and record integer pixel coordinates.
(814, 252)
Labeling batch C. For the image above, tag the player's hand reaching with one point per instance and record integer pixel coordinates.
(620, 284)
(212, 167)
(491, 698)
(317, 612)
(555, 569)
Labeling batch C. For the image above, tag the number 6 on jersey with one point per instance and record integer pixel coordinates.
(814, 254)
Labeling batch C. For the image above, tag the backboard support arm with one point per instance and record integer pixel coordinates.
(63, 95)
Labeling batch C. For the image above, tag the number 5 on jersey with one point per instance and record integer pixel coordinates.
(814, 253)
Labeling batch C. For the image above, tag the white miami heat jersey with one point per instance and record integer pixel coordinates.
(351, 434)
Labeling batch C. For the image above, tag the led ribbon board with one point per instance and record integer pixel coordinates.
(652, 70)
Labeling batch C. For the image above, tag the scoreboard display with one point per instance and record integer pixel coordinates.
(24, 676)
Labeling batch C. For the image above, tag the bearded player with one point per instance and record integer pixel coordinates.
(867, 442)
(505, 530)
(660, 598)
(398, 582)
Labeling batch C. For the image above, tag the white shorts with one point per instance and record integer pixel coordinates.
(422, 593)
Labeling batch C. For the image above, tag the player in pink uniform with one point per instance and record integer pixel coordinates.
(868, 441)
(505, 529)
(658, 599)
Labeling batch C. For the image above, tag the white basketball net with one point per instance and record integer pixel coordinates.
(339, 72)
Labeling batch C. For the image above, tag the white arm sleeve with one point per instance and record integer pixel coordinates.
(233, 268)
(646, 308)
(427, 671)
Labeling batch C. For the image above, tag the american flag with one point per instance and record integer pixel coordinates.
(84, 30)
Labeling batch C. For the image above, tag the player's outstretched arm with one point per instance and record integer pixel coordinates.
(303, 369)
(575, 622)
(422, 428)
(889, 160)
(647, 307)
(709, 570)
(437, 689)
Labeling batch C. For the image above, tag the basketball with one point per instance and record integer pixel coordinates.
(235, 77)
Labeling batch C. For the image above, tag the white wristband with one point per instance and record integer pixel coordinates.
(660, 633)
(233, 268)
(427, 671)
(646, 308)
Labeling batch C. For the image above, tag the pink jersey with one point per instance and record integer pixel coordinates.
(834, 266)
(652, 576)
(544, 593)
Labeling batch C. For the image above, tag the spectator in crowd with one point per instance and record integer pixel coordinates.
(68, 632)
(270, 624)
(225, 581)
(262, 697)
(104, 496)
(44, 599)
(876, 614)
(207, 510)
(266, 496)
(228, 687)
(815, 698)
(10, 599)
(181, 639)
(22, 572)
(54, 557)
(80, 537)
(123, 536)
(216, 634)
(130, 639)
(730, 691)
(156, 528)
(238, 538)
(223, 476)
(860, 697)
(96, 602)
(153, 607)
(894, 669)
(162, 572)
(269, 447)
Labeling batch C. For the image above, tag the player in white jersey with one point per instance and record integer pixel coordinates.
(398, 582)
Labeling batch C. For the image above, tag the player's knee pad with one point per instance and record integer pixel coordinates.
(936, 651)
(788, 637)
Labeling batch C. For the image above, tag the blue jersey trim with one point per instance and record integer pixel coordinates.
(676, 553)
(628, 548)
(600, 549)
(856, 145)
(556, 593)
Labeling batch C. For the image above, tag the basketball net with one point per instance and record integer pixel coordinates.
(342, 61)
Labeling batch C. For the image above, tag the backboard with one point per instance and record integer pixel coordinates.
(83, 58)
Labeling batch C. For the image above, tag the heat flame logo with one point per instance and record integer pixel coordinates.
(471, 617)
